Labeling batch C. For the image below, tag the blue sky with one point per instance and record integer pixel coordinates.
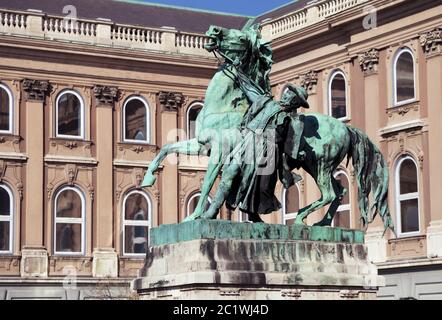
(244, 7)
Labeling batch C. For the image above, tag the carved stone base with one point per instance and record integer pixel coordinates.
(376, 245)
(34, 262)
(434, 239)
(105, 263)
(257, 269)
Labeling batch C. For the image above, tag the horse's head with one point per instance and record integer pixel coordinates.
(245, 46)
(231, 43)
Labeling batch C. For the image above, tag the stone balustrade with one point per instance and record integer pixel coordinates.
(103, 32)
(314, 12)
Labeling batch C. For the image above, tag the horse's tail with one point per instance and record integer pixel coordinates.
(372, 174)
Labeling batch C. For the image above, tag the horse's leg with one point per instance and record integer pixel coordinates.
(229, 174)
(209, 179)
(340, 192)
(190, 147)
(325, 185)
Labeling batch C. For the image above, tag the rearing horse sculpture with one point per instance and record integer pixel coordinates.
(224, 106)
(325, 141)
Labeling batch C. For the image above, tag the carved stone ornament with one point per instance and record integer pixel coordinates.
(309, 81)
(431, 41)
(35, 89)
(170, 101)
(105, 95)
(369, 61)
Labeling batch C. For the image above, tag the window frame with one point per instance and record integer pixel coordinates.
(81, 220)
(11, 110)
(329, 94)
(10, 219)
(82, 113)
(147, 121)
(396, 103)
(408, 196)
(344, 207)
(196, 103)
(143, 223)
(291, 215)
(189, 200)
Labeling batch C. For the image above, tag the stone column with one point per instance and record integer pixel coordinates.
(105, 260)
(432, 46)
(369, 62)
(169, 103)
(34, 262)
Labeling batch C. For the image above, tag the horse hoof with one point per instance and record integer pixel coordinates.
(149, 180)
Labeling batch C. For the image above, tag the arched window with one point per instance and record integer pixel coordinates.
(136, 120)
(193, 202)
(404, 77)
(192, 114)
(69, 230)
(6, 219)
(6, 106)
(242, 216)
(69, 115)
(290, 204)
(337, 95)
(407, 196)
(137, 213)
(342, 217)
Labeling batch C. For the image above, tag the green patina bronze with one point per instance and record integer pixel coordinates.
(222, 229)
(241, 119)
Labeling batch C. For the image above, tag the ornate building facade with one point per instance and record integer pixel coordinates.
(89, 92)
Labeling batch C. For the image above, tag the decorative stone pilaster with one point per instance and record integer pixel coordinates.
(105, 95)
(376, 245)
(369, 61)
(434, 239)
(34, 262)
(431, 42)
(105, 263)
(309, 81)
(35, 89)
(170, 101)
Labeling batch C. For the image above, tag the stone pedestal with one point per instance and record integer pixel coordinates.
(105, 263)
(434, 239)
(34, 262)
(238, 261)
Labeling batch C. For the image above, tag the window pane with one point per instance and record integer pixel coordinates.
(409, 215)
(4, 236)
(290, 222)
(135, 120)
(69, 204)
(68, 237)
(135, 239)
(5, 203)
(193, 114)
(4, 110)
(342, 179)
(69, 115)
(292, 200)
(136, 207)
(342, 219)
(338, 97)
(405, 77)
(408, 177)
